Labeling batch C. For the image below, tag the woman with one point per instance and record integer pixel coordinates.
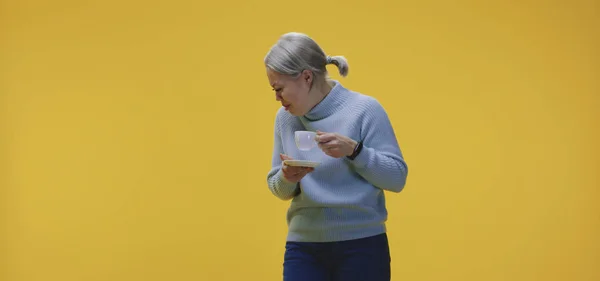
(336, 220)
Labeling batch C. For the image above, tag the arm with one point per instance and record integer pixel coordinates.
(380, 161)
(279, 186)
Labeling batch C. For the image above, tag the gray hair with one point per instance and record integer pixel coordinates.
(295, 52)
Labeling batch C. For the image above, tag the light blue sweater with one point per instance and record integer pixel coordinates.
(341, 199)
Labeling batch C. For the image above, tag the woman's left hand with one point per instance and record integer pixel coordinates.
(335, 145)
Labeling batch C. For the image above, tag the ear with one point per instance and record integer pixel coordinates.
(307, 77)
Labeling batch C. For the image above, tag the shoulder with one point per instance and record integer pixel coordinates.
(367, 105)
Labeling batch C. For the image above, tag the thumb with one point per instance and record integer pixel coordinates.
(284, 157)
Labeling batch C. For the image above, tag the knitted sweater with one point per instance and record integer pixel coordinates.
(341, 199)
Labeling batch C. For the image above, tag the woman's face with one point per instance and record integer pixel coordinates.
(293, 93)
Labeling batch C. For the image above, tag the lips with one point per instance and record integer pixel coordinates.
(286, 106)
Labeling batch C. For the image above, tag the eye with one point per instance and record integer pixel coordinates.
(277, 90)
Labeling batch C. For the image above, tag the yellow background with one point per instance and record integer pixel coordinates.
(136, 135)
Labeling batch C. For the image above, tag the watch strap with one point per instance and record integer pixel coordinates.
(356, 151)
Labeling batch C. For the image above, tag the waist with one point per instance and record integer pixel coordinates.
(326, 224)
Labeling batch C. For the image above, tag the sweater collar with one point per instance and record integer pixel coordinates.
(330, 103)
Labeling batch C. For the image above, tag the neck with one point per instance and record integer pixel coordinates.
(329, 101)
(320, 91)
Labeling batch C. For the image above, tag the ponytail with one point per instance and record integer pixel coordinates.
(340, 62)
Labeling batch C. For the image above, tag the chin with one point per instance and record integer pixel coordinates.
(292, 111)
(295, 113)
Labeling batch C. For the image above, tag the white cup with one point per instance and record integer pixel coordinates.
(305, 140)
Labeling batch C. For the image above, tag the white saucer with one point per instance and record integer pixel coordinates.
(301, 163)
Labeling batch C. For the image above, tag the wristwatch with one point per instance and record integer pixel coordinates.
(356, 151)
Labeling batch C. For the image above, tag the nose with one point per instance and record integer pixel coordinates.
(277, 97)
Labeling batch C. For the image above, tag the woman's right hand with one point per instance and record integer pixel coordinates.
(293, 174)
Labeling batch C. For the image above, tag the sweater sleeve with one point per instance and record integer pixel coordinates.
(278, 185)
(380, 162)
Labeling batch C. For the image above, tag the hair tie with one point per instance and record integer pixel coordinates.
(329, 60)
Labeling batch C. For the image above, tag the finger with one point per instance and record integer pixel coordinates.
(284, 157)
(332, 151)
(301, 171)
(330, 144)
(325, 138)
(294, 170)
(289, 170)
(301, 174)
(305, 170)
(324, 147)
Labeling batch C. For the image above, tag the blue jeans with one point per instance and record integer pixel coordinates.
(365, 259)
